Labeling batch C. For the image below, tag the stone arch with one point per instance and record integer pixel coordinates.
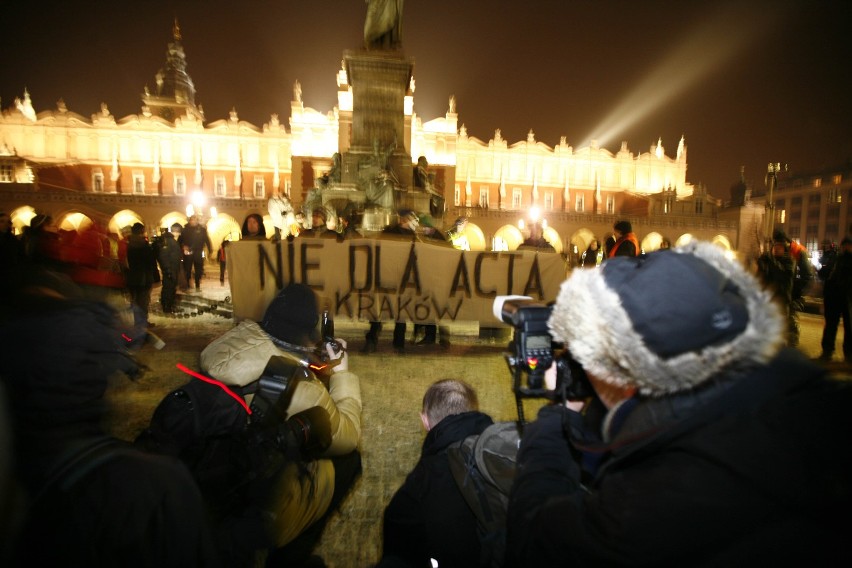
(507, 237)
(651, 242)
(684, 239)
(21, 217)
(581, 239)
(223, 226)
(551, 236)
(124, 218)
(722, 241)
(171, 218)
(73, 221)
(475, 237)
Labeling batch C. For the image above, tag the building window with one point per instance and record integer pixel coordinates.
(548, 200)
(610, 205)
(837, 179)
(834, 195)
(6, 173)
(579, 203)
(699, 206)
(817, 182)
(457, 195)
(220, 187)
(180, 184)
(139, 183)
(287, 186)
(782, 216)
(483, 197)
(259, 187)
(98, 182)
(517, 198)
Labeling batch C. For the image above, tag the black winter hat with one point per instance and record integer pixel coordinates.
(666, 322)
(292, 316)
(623, 227)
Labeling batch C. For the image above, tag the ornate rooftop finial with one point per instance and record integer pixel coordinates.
(176, 30)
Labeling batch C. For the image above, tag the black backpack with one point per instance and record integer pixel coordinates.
(484, 468)
(203, 423)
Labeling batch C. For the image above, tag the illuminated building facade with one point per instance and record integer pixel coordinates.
(166, 162)
(814, 206)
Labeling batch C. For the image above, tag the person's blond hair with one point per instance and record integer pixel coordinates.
(447, 397)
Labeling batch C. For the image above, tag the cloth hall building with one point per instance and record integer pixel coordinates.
(168, 161)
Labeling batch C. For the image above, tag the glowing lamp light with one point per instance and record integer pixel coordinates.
(535, 213)
(190, 210)
(213, 212)
(198, 198)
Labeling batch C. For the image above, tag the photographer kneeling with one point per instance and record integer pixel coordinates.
(306, 493)
(716, 447)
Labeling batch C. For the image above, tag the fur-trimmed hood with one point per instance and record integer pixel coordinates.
(667, 321)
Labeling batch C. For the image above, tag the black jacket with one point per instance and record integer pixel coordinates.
(112, 507)
(428, 516)
(739, 473)
(141, 262)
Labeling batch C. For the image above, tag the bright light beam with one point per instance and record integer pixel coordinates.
(707, 49)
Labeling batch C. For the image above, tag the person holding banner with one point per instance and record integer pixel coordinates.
(404, 229)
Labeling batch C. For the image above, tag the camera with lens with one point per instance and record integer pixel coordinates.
(307, 432)
(532, 352)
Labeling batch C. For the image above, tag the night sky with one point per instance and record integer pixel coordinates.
(746, 82)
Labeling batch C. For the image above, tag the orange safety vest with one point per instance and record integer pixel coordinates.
(628, 237)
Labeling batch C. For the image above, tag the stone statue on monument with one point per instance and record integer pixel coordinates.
(332, 176)
(424, 180)
(378, 178)
(383, 26)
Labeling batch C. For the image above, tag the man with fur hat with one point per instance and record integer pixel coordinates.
(304, 498)
(707, 442)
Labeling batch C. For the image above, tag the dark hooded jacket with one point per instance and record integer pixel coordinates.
(92, 499)
(740, 472)
(428, 516)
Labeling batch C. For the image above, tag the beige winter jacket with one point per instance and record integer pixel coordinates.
(238, 358)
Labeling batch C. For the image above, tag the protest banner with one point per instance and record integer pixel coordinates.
(388, 280)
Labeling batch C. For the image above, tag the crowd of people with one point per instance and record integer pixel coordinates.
(706, 441)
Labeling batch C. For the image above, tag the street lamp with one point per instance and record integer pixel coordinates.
(196, 205)
(772, 181)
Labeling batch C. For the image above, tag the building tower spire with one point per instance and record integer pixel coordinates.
(174, 94)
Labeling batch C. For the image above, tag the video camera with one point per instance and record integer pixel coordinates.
(533, 352)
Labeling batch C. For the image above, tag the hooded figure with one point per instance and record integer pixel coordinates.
(96, 500)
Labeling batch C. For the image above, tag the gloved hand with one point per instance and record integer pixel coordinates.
(338, 358)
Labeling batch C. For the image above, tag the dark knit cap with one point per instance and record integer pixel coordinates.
(623, 227)
(293, 316)
(780, 236)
